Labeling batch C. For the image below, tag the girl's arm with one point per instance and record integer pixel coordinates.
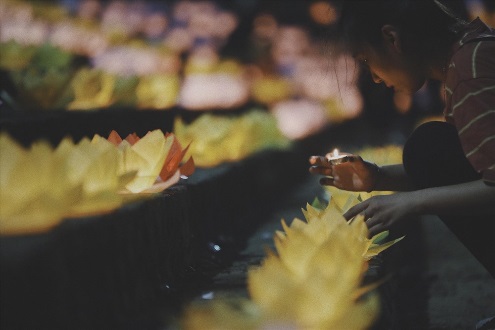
(472, 198)
(392, 178)
(476, 198)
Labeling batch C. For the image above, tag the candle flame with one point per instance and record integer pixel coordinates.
(335, 152)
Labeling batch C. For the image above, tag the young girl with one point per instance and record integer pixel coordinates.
(448, 167)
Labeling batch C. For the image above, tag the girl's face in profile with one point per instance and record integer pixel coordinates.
(390, 66)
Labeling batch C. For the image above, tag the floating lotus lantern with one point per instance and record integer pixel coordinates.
(157, 91)
(218, 139)
(42, 185)
(207, 79)
(270, 89)
(156, 157)
(301, 118)
(223, 312)
(312, 281)
(314, 278)
(92, 89)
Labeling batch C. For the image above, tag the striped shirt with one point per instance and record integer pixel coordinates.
(470, 96)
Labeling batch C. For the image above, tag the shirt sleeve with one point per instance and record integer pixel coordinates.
(473, 111)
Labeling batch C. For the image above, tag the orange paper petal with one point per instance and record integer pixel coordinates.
(176, 147)
(173, 160)
(114, 138)
(132, 138)
(184, 151)
(188, 167)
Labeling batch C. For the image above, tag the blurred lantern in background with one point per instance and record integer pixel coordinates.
(300, 118)
(323, 12)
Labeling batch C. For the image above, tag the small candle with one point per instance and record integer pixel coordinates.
(336, 158)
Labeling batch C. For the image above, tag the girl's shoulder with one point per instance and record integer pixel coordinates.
(475, 31)
(472, 55)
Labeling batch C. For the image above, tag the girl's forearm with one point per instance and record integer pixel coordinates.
(392, 178)
(471, 198)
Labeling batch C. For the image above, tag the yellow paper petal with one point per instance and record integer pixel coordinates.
(92, 89)
(161, 186)
(222, 313)
(41, 185)
(376, 249)
(158, 92)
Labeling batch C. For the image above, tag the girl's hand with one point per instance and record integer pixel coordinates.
(353, 175)
(381, 212)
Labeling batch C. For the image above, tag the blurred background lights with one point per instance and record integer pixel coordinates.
(323, 12)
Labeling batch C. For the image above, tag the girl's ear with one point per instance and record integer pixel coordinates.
(391, 37)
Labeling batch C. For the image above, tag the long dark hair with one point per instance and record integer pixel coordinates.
(427, 27)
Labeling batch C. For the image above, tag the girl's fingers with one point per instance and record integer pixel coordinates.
(323, 161)
(372, 231)
(371, 222)
(320, 170)
(355, 210)
(326, 181)
(353, 158)
(319, 161)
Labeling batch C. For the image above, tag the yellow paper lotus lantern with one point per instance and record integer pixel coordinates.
(315, 277)
(41, 185)
(158, 91)
(224, 312)
(217, 139)
(271, 89)
(373, 246)
(93, 167)
(312, 281)
(23, 175)
(156, 158)
(147, 157)
(93, 89)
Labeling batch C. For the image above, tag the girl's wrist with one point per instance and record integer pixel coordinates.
(419, 201)
(377, 171)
